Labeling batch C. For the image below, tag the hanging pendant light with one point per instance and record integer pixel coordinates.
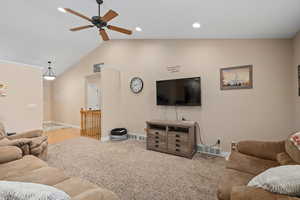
(49, 75)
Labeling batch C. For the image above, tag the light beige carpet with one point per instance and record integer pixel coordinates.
(134, 173)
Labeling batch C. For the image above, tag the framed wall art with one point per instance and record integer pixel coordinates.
(3, 90)
(240, 77)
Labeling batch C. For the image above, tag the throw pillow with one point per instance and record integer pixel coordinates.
(281, 180)
(292, 150)
(30, 191)
(296, 139)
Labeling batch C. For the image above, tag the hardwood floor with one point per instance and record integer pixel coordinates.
(60, 135)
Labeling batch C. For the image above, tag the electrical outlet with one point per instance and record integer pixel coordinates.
(233, 145)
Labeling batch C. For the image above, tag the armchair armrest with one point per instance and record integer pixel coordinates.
(29, 134)
(9, 153)
(251, 193)
(264, 150)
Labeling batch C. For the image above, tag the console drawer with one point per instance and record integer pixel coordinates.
(156, 145)
(157, 135)
(179, 148)
(174, 137)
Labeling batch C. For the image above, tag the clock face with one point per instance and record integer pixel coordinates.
(136, 85)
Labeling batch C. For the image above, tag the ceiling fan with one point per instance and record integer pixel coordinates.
(100, 22)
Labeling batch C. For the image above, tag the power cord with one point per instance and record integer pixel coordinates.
(200, 137)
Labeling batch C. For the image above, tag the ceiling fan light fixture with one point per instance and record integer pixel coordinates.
(49, 75)
(196, 25)
(60, 9)
(138, 29)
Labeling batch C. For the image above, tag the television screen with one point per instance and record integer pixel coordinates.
(179, 92)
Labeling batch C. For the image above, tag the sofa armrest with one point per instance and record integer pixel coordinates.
(264, 150)
(9, 153)
(29, 134)
(17, 142)
(251, 193)
(284, 159)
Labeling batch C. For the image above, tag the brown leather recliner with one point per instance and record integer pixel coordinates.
(250, 159)
(31, 142)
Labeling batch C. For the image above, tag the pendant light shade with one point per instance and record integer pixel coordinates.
(49, 74)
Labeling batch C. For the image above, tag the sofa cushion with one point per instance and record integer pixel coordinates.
(44, 175)
(249, 164)
(2, 130)
(80, 189)
(292, 150)
(20, 167)
(4, 141)
(284, 159)
(251, 193)
(9, 153)
(264, 150)
(230, 179)
(96, 194)
(75, 186)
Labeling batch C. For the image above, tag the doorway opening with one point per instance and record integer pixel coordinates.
(91, 114)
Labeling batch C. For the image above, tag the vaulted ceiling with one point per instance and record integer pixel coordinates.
(33, 31)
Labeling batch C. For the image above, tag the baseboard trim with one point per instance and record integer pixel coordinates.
(105, 139)
(200, 149)
(47, 122)
(136, 136)
(66, 124)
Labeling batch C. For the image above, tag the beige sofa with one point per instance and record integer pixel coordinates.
(250, 159)
(16, 167)
(31, 142)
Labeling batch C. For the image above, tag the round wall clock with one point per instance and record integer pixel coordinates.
(136, 85)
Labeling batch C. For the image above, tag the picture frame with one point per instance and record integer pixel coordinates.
(3, 88)
(234, 78)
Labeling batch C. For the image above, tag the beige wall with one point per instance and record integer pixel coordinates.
(22, 108)
(264, 112)
(110, 101)
(47, 96)
(296, 62)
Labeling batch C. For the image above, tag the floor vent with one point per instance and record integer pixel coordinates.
(211, 150)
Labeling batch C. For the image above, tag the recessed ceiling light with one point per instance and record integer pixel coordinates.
(139, 29)
(60, 9)
(196, 25)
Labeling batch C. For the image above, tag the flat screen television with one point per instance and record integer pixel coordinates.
(179, 92)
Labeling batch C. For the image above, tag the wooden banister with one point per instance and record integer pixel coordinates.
(90, 123)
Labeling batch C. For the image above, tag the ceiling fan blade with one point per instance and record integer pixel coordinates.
(81, 28)
(118, 29)
(104, 35)
(109, 16)
(78, 14)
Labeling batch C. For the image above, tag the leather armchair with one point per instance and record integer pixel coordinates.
(31, 142)
(249, 159)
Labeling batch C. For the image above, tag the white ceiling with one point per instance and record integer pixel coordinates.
(33, 31)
